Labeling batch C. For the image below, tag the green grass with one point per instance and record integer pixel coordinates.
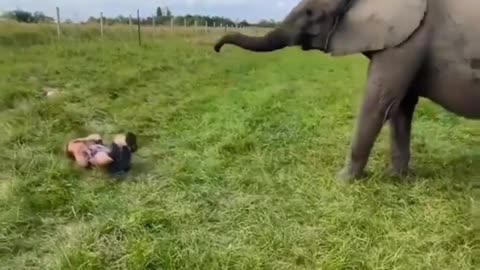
(236, 169)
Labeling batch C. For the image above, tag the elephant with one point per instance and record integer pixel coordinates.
(415, 49)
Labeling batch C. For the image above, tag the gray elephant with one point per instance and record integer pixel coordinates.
(416, 48)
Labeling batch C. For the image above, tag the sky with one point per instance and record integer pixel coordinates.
(76, 10)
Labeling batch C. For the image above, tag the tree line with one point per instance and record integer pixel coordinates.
(27, 17)
(161, 17)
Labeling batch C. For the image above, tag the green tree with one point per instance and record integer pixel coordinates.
(39, 17)
(20, 16)
(159, 12)
(27, 17)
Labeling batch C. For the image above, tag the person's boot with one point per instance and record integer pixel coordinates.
(122, 148)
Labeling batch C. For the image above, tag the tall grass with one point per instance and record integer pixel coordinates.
(236, 166)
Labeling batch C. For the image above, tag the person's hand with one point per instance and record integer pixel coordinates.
(101, 159)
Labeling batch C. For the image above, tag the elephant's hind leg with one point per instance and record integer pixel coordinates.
(401, 127)
(390, 76)
(391, 73)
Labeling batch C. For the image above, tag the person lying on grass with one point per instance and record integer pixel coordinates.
(90, 151)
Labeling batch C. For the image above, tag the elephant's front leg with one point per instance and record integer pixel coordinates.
(373, 113)
(401, 126)
(390, 74)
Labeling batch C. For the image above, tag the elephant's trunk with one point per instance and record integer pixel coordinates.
(274, 40)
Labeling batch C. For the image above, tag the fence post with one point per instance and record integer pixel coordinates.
(130, 22)
(171, 24)
(206, 26)
(153, 25)
(195, 26)
(139, 34)
(101, 24)
(58, 22)
(185, 23)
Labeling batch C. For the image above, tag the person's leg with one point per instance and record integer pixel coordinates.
(122, 157)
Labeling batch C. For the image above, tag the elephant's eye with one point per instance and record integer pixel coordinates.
(309, 12)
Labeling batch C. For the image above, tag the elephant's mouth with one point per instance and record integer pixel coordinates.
(307, 42)
(307, 46)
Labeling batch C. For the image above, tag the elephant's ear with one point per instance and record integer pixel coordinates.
(372, 25)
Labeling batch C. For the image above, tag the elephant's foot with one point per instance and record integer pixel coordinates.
(400, 165)
(399, 172)
(402, 174)
(399, 169)
(347, 175)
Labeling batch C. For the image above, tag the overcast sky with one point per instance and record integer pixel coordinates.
(252, 10)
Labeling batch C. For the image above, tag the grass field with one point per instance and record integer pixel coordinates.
(236, 168)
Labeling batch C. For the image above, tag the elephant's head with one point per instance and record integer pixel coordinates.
(338, 26)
